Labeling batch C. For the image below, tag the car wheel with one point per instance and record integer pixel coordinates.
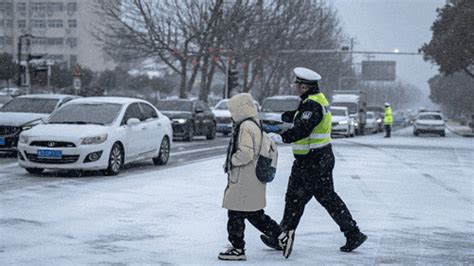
(34, 171)
(211, 134)
(115, 160)
(164, 153)
(442, 134)
(190, 134)
(416, 133)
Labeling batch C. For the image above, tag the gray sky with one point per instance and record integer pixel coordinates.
(386, 25)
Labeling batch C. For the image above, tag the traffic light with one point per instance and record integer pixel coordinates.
(232, 78)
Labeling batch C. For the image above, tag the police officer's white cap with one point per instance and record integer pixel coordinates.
(305, 75)
(387, 104)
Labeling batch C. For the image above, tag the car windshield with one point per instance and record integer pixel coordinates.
(30, 105)
(338, 112)
(222, 106)
(370, 115)
(351, 107)
(430, 117)
(186, 106)
(86, 113)
(280, 105)
(4, 99)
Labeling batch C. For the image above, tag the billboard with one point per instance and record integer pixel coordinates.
(378, 70)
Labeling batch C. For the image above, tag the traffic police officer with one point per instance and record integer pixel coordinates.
(388, 120)
(311, 174)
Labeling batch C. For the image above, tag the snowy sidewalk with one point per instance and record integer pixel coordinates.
(174, 216)
(458, 129)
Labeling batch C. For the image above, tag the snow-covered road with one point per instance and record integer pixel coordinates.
(412, 196)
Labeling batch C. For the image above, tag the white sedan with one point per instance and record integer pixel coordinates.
(97, 133)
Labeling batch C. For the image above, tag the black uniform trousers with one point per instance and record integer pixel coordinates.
(388, 130)
(261, 221)
(311, 176)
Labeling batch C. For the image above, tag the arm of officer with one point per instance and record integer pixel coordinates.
(310, 115)
(245, 150)
(288, 116)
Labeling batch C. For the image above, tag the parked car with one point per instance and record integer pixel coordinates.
(273, 107)
(429, 122)
(4, 99)
(12, 91)
(189, 118)
(342, 124)
(371, 124)
(223, 118)
(379, 115)
(97, 133)
(26, 111)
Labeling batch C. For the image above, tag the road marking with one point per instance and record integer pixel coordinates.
(197, 150)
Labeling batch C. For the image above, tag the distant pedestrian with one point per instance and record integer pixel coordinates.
(388, 120)
(244, 196)
(311, 174)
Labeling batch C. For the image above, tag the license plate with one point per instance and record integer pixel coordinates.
(2, 141)
(52, 154)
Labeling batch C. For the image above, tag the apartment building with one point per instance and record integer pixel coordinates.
(61, 30)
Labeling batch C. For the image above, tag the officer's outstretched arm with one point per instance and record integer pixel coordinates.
(288, 116)
(309, 116)
(245, 150)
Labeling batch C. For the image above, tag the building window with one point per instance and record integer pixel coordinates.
(38, 23)
(21, 8)
(55, 23)
(72, 60)
(38, 7)
(55, 41)
(72, 23)
(39, 41)
(52, 7)
(7, 7)
(21, 23)
(72, 42)
(71, 7)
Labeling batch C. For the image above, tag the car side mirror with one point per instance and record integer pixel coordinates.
(133, 122)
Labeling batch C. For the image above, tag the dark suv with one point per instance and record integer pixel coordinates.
(189, 118)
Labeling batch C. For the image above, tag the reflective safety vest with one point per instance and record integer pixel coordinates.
(321, 134)
(388, 117)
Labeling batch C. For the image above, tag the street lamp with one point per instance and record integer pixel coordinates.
(20, 46)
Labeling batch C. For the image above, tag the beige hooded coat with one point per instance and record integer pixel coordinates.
(244, 192)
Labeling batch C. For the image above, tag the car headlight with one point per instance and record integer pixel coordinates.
(94, 140)
(379, 120)
(24, 139)
(344, 122)
(180, 120)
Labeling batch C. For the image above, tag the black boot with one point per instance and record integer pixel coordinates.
(353, 242)
(270, 242)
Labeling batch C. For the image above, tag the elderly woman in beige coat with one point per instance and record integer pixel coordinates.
(244, 195)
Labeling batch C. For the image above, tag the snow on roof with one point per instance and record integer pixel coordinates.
(47, 96)
(338, 108)
(284, 97)
(107, 99)
(345, 98)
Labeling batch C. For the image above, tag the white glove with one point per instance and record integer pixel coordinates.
(276, 138)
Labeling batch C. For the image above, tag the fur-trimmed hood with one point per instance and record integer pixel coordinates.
(242, 106)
